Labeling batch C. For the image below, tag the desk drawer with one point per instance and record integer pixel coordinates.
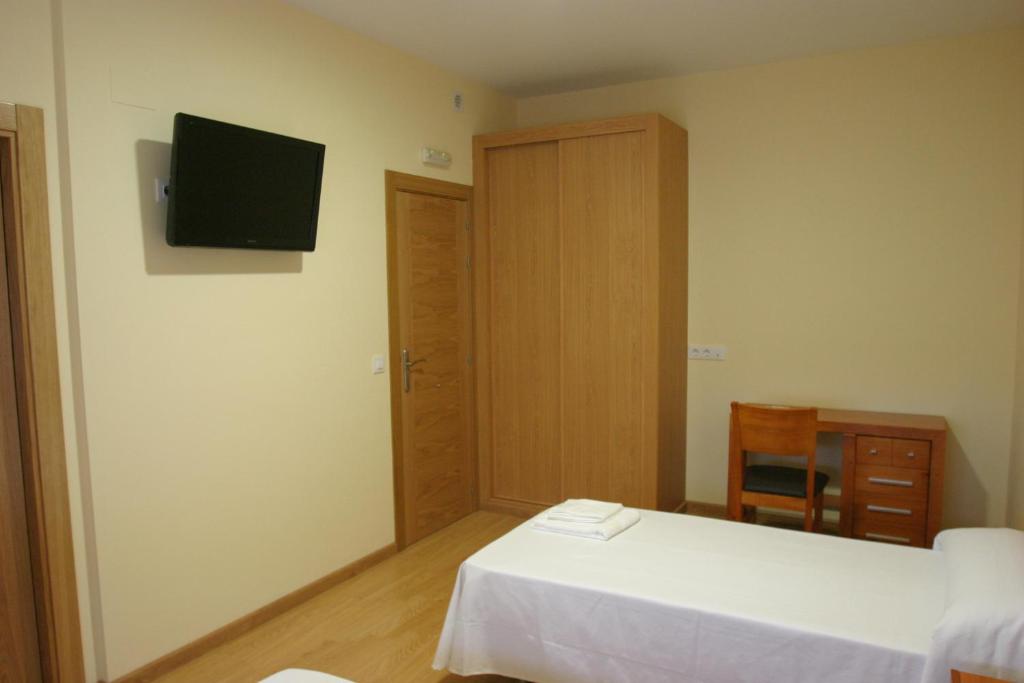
(889, 533)
(874, 450)
(893, 482)
(912, 454)
(890, 510)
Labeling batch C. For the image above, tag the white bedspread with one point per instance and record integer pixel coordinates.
(982, 630)
(688, 599)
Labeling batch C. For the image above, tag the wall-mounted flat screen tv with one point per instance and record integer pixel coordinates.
(237, 187)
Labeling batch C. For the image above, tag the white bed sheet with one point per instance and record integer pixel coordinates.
(693, 600)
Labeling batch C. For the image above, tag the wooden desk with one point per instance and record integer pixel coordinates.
(961, 677)
(901, 457)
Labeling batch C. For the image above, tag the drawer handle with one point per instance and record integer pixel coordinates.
(911, 455)
(891, 482)
(889, 510)
(886, 537)
(873, 451)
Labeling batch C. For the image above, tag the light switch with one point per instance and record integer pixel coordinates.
(377, 363)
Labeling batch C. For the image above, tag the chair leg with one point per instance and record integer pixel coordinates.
(734, 503)
(809, 516)
(735, 510)
(750, 514)
(819, 512)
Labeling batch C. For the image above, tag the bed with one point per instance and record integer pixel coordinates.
(691, 599)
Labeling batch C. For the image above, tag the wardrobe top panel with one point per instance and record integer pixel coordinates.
(620, 124)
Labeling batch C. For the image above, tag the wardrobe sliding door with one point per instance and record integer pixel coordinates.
(602, 190)
(525, 323)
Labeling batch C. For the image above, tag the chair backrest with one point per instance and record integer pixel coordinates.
(776, 430)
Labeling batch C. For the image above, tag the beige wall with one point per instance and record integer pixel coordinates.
(855, 229)
(1015, 504)
(27, 76)
(239, 446)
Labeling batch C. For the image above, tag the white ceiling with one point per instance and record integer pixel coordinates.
(529, 47)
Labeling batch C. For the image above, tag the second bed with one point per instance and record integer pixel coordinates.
(683, 598)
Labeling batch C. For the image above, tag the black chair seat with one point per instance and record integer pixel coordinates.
(781, 481)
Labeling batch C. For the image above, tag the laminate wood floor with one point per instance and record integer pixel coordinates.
(380, 626)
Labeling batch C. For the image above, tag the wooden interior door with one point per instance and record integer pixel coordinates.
(431, 354)
(19, 636)
(602, 194)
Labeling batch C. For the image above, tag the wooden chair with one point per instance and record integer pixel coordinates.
(782, 431)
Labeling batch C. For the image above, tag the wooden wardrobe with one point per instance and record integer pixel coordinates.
(580, 237)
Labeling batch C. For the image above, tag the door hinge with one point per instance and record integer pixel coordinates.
(469, 360)
(469, 264)
(467, 226)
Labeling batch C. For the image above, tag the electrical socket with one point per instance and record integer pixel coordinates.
(705, 352)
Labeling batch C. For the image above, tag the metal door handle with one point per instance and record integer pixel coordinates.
(887, 537)
(889, 510)
(406, 365)
(885, 481)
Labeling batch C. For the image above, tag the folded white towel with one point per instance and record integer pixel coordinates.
(583, 510)
(602, 531)
(303, 676)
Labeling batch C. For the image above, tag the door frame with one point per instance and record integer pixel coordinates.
(40, 416)
(395, 182)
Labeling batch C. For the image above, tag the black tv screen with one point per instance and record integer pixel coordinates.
(237, 187)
